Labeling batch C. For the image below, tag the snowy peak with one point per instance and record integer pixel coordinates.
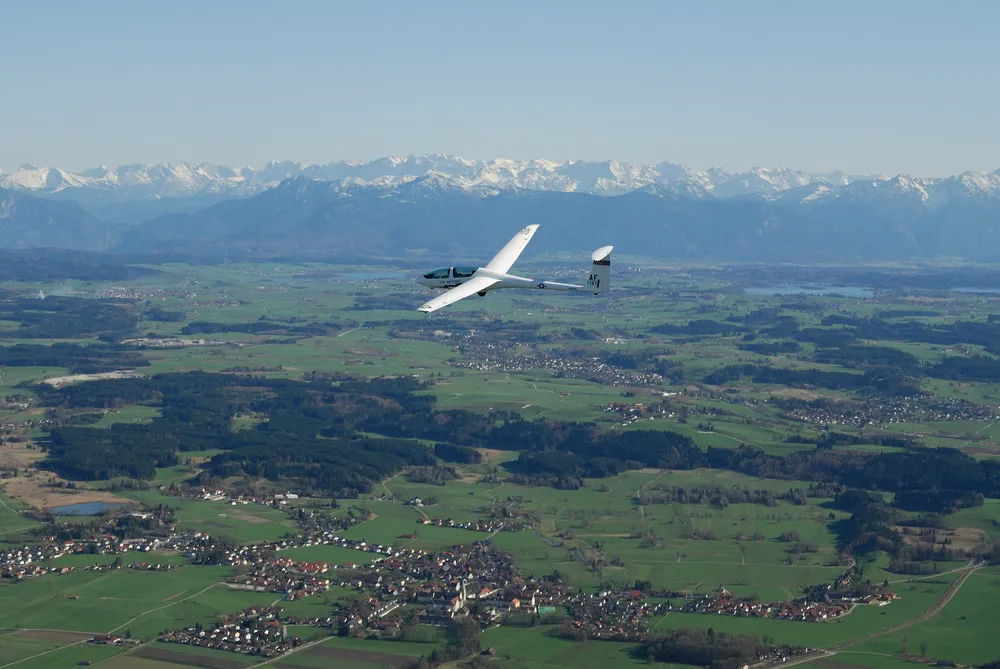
(30, 177)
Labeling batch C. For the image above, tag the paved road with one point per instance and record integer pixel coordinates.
(935, 609)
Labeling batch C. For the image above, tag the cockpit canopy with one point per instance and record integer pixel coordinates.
(451, 272)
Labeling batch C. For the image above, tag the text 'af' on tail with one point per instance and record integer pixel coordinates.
(600, 270)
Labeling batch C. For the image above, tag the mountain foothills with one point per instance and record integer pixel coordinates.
(397, 206)
(29, 222)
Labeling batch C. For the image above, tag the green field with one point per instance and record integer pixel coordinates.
(534, 648)
(957, 633)
(244, 522)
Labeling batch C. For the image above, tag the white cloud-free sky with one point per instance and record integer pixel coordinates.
(865, 87)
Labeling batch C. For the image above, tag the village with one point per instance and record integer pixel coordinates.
(881, 410)
(393, 584)
(485, 356)
(252, 632)
(724, 603)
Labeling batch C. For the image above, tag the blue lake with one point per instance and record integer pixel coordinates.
(787, 289)
(84, 508)
(975, 290)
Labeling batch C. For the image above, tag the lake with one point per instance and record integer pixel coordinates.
(846, 291)
(975, 290)
(84, 508)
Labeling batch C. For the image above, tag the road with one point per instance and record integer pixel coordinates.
(935, 609)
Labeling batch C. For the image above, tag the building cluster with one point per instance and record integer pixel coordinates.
(886, 410)
(292, 578)
(21, 428)
(134, 566)
(25, 561)
(276, 501)
(178, 342)
(491, 525)
(489, 357)
(725, 604)
(109, 640)
(446, 586)
(614, 615)
(127, 293)
(632, 413)
(255, 631)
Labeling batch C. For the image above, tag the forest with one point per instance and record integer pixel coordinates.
(76, 358)
(43, 265)
(313, 436)
(261, 327)
(56, 317)
(878, 379)
(912, 543)
(707, 648)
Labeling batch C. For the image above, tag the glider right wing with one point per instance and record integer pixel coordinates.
(504, 260)
(470, 287)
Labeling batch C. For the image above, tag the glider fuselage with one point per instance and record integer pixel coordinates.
(447, 278)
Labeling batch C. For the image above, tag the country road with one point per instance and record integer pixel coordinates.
(934, 609)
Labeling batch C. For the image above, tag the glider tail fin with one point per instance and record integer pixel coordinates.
(600, 270)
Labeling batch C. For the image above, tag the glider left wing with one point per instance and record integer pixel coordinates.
(470, 287)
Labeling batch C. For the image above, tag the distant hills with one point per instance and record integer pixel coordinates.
(32, 222)
(446, 207)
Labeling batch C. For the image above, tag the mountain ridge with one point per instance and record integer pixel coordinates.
(138, 182)
(866, 221)
(767, 215)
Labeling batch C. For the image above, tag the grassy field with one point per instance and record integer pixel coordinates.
(958, 633)
(244, 523)
(144, 602)
(534, 648)
(67, 656)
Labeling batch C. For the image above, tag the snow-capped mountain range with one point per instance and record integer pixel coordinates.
(610, 177)
(141, 182)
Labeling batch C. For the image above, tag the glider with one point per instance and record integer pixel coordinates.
(462, 282)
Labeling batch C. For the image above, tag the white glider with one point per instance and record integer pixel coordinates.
(462, 282)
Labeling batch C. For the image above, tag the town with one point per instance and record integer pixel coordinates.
(442, 588)
(883, 410)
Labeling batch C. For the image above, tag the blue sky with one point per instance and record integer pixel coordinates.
(882, 86)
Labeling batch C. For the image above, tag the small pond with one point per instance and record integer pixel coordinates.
(84, 508)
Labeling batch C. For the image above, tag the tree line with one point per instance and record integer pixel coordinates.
(708, 648)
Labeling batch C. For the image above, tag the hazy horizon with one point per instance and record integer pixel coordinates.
(885, 88)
